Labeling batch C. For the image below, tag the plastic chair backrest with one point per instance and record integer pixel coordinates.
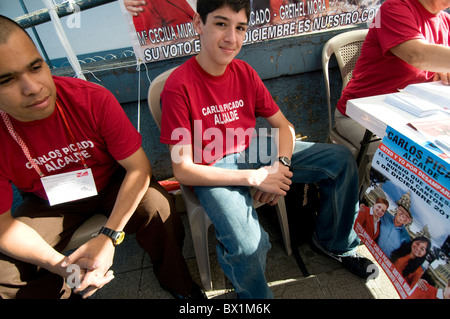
(88, 230)
(346, 47)
(154, 95)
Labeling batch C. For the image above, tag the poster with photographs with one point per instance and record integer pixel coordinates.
(404, 217)
(164, 29)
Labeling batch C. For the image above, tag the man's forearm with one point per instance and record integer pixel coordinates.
(23, 243)
(133, 188)
(192, 174)
(265, 178)
(424, 56)
(285, 140)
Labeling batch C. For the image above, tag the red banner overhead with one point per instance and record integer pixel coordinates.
(164, 28)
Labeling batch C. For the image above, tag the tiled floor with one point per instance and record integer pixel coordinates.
(326, 279)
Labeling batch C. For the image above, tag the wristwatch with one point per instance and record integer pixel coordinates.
(285, 161)
(116, 236)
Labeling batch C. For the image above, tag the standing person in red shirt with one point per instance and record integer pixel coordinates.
(55, 125)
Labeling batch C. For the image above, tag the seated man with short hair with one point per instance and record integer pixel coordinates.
(55, 131)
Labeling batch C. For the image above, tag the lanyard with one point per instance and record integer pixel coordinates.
(24, 147)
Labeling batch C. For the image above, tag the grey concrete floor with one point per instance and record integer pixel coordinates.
(325, 278)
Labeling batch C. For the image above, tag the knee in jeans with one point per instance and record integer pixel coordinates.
(253, 246)
(343, 151)
(343, 154)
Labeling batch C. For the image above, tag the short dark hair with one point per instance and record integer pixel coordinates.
(204, 7)
(7, 26)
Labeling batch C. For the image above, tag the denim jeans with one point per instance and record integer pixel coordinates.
(243, 243)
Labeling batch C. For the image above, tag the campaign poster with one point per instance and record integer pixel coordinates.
(404, 216)
(164, 29)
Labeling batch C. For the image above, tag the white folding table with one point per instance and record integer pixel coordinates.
(375, 115)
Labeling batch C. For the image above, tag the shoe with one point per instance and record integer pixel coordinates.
(196, 294)
(360, 266)
(355, 264)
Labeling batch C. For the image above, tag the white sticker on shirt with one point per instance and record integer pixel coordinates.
(67, 187)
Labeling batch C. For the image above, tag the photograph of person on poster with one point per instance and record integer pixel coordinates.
(392, 230)
(409, 257)
(369, 217)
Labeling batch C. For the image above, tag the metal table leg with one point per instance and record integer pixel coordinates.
(364, 146)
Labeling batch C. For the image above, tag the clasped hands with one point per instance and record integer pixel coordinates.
(87, 267)
(272, 182)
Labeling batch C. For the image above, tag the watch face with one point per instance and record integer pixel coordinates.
(119, 238)
(116, 237)
(285, 161)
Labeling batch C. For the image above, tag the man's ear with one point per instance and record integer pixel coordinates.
(198, 23)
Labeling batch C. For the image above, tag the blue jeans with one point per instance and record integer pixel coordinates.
(243, 243)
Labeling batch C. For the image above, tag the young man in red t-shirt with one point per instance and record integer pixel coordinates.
(209, 110)
(54, 131)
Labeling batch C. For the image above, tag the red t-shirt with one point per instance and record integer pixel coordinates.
(378, 71)
(158, 14)
(102, 130)
(216, 115)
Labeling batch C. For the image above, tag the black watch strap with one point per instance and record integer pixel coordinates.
(285, 161)
(116, 236)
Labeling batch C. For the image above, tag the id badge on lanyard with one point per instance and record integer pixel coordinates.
(67, 187)
(60, 188)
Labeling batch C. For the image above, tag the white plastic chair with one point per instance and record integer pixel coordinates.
(346, 47)
(198, 220)
(86, 231)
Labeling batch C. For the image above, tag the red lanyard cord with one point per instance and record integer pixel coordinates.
(19, 141)
(71, 134)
